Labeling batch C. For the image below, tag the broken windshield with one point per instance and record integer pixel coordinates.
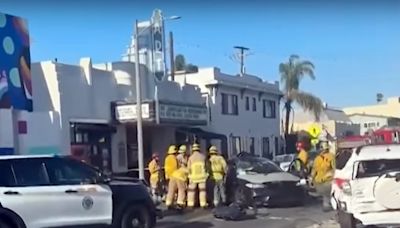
(257, 165)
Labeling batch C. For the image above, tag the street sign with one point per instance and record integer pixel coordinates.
(314, 130)
(158, 45)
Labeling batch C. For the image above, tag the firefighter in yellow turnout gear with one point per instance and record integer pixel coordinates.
(170, 163)
(154, 170)
(218, 172)
(322, 174)
(197, 177)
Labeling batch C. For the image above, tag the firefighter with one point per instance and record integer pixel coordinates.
(322, 174)
(197, 177)
(182, 157)
(178, 183)
(301, 162)
(218, 172)
(171, 163)
(303, 154)
(154, 170)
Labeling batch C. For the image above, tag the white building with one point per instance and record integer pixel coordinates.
(89, 111)
(243, 108)
(370, 122)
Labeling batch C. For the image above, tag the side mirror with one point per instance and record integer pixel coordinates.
(103, 178)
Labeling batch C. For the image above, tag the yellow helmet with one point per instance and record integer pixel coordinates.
(196, 147)
(172, 149)
(213, 150)
(182, 149)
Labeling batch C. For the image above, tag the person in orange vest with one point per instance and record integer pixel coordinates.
(197, 177)
(218, 172)
(154, 170)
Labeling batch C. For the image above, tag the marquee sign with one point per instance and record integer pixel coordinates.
(158, 45)
(183, 113)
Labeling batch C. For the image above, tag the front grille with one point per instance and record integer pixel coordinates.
(283, 187)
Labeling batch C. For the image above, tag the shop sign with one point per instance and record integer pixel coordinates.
(128, 112)
(183, 113)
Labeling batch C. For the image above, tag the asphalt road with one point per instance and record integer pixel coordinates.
(309, 216)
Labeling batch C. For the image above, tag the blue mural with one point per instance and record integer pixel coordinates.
(15, 64)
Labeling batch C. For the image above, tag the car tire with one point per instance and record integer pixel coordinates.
(346, 220)
(136, 217)
(242, 198)
(4, 224)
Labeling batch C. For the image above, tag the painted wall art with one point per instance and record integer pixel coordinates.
(15, 64)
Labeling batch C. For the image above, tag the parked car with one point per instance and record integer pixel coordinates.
(366, 186)
(257, 179)
(53, 191)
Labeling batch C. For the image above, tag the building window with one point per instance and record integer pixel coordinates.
(266, 153)
(252, 145)
(247, 103)
(276, 145)
(236, 145)
(254, 104)
(269, 109)
(225, 103)
(365, 125)
(229, 104)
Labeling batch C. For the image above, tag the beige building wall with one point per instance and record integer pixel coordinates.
(390, 108)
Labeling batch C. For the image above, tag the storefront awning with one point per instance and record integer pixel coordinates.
(93, 127)
(201, 133)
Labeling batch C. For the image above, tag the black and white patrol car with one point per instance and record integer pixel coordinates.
(54, 191)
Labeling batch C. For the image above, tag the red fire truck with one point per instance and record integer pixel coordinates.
(386, 135)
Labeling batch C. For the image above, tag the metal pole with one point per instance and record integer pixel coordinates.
(138, 105)
(171, 55)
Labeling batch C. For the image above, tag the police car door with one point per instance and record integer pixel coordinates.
(85, 201)
(26, 190)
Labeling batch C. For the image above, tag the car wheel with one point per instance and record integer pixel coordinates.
(136, 217)
(346, 220)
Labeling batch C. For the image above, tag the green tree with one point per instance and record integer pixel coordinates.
(190, 68)
(180, 62)
(181, 65)
(292, 73)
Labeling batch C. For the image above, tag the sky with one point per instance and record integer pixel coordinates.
(354, 44)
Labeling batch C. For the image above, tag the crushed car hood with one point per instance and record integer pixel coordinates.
(259, 178)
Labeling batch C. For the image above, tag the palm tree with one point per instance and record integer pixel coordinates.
(292, 72)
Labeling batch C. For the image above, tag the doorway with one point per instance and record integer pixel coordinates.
(92, 144)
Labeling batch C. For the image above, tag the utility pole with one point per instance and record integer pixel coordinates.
(138, 105)
(171, 55)
(241, 56)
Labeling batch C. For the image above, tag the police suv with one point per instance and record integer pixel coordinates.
(366, 186)
(54, 191)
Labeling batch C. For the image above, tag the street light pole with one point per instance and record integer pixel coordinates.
(139, 122)
(139, 105)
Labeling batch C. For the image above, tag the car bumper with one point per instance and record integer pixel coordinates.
(387, 218)
(278, 197)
